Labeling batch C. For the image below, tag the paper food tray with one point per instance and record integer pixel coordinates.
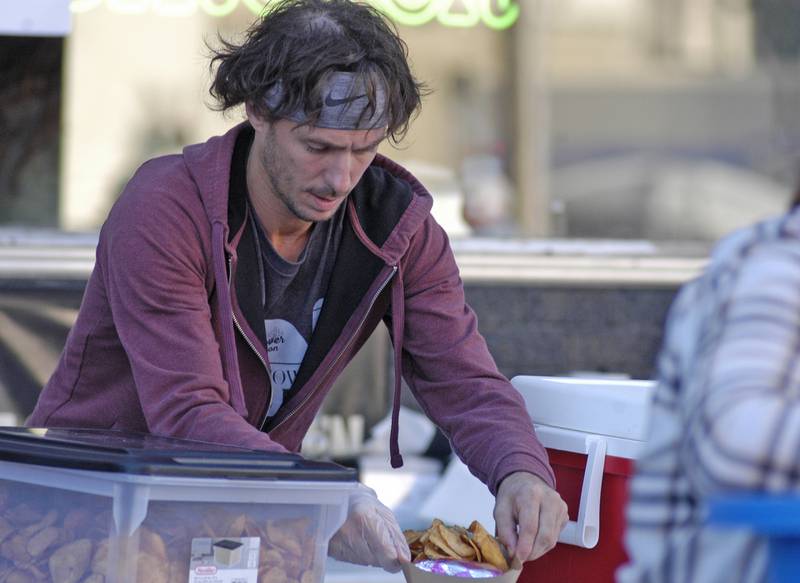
(416, 575)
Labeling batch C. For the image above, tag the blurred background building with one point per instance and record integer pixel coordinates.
(648, 119)
(623, 135)
(656, 119)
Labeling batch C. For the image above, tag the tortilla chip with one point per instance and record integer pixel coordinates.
(437, 539)
(490, 548)
(453, 540)
(432, 552)
(441, 541)
(413, 536)
(468, 539)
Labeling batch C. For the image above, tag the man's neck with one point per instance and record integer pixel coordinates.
(286, 233)
(290, 247)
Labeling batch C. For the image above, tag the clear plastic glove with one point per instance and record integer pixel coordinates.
(370, 535)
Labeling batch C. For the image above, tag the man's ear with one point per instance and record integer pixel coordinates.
(255, 120)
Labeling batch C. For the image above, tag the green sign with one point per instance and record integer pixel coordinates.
(496, 14)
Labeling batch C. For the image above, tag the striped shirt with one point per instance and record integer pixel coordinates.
(726, 411)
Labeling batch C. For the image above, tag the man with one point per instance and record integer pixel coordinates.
(234, 282)
(725, 413)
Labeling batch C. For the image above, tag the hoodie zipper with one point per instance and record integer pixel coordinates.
(341, 353)
(246, 337)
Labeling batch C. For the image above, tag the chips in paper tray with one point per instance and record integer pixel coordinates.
(445, 552)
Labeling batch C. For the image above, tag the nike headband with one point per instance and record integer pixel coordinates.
(345, 105)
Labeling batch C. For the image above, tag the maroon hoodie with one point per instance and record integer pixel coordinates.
(164, 341)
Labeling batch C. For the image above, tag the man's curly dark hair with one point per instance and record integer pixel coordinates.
(300, 43)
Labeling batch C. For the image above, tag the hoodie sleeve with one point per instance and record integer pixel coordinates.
(452, 374)
(155, 262)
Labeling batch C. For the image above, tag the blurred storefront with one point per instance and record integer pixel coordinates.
(576, 118)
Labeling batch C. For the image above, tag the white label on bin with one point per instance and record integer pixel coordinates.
(224, 560)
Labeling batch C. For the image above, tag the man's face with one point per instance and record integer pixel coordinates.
(308, 172)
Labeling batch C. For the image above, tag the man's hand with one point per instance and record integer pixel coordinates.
(370, 534)
(529, 516)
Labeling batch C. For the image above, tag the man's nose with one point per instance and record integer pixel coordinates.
(339, 173)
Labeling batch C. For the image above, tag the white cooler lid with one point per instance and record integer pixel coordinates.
(618, 409)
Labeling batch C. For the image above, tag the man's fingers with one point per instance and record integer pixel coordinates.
(529, 515)
(552, 518)
(403, 552)
(529, 527)
(505, 524)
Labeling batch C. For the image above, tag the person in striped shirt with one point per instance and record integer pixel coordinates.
(726, 412)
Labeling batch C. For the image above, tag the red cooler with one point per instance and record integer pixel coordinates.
(593, 430)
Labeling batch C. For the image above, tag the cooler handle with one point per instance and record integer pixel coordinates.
(585, 532)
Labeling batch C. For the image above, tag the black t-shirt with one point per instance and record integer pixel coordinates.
(293, 291)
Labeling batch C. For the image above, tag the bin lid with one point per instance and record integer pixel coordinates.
(144, 454)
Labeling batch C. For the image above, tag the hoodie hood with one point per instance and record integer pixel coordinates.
(209, 165)
(385, 209)
(412, 210)
(392, 249)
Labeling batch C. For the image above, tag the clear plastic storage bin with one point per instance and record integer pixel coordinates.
(89, 506)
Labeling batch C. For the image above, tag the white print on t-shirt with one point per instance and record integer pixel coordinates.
(286, 348)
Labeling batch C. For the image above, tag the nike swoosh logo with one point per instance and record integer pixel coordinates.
(333, 102)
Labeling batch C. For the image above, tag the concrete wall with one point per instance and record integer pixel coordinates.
(562, 330)
(530, 329)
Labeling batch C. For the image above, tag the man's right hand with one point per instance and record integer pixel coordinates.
(529, 516)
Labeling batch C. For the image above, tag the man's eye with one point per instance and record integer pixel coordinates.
(315, 149)
(367, 151)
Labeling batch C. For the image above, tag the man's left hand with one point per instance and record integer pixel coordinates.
(529, 516)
